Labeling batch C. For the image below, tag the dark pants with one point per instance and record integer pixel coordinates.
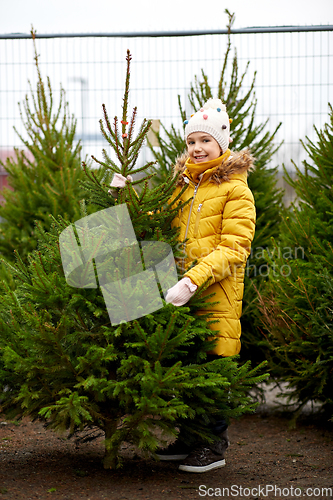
(218, 426)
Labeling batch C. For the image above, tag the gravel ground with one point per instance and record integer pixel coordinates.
(266, 460)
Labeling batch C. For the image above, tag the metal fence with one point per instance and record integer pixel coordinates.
(293, 84)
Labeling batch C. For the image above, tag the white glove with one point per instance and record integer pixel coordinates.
(181, 293)
(119, 181)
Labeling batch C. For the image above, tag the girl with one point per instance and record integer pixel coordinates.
(218, 226)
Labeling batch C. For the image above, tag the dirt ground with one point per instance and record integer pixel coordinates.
(266, 459)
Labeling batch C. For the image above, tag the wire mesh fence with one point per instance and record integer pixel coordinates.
(294, 79)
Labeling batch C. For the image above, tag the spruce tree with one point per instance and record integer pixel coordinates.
(245, 133)
(44, 177)
(65, 362)
(297, 302)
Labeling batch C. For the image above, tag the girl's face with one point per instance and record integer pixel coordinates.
(202, 147)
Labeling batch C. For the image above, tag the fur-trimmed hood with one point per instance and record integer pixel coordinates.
(236, 163)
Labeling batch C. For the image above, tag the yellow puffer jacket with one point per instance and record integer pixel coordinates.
(219, 225)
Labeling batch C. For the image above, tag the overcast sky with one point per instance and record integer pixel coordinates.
(116, 16)
(66, 16)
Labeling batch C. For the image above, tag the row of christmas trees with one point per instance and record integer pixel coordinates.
(60, 358)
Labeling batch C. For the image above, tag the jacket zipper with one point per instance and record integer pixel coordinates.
(188, 222)
(197, 220)
(190, 212)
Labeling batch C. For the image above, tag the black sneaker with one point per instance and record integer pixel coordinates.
(204, 458)
(175, 451)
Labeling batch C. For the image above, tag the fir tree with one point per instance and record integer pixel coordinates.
(64, 362)
(241, 108)
(47, 179)
(297, 303)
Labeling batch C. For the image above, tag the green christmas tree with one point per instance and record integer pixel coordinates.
(297, 302)
(262, 180)
(64, 361)
(45, 176)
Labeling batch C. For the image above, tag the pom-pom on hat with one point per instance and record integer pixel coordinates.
(213, 119)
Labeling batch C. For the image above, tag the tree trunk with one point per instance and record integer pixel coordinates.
(110, 459)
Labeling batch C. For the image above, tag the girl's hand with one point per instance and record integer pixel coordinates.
(119, 181)
(181, 293)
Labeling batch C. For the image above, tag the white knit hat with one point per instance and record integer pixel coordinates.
(213, 119)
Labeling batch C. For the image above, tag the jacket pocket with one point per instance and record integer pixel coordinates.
(197, 220)
(228, 292)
